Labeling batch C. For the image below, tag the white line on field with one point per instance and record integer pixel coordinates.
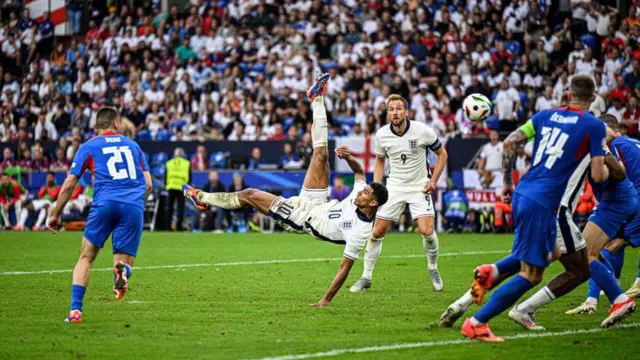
(368, 349)
(259, 262)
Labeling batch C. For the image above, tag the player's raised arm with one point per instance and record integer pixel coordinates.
(65, 194)
(510, 144)
(345, 267)
(378, 166)
(344, 153)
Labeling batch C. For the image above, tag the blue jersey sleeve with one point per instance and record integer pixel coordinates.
(143, 159)
(81, 161)
(597, 139)
(536, 119)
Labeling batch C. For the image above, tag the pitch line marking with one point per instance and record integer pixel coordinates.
(369, 349)
(259, 262)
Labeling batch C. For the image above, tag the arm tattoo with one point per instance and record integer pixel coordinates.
(510, 144)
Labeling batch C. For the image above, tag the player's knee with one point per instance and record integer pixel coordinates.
(427, 230)
(379, 230)
(247, 194)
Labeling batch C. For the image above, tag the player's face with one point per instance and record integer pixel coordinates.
(364, 197)
(396, 113)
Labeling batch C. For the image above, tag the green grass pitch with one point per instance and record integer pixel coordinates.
(237, 303)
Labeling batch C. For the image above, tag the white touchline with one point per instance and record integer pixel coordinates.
(258, 262)
(367, 349)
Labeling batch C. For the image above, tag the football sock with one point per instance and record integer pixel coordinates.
(503, 298)
(24, 214)
(42, 215)
(605, 280)
(464, 302)
(77, 295)
(538, 300)
(593, 294)
(319, 130)
(506, 265)
(229, 201)
(617, 261)
(371, 255)
(430, 244)
(127, 270)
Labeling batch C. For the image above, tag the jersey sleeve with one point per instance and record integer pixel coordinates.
(378, 148)
(354, 245)
(598, 140)
(431, 139)
(82, 161)
(143, 160)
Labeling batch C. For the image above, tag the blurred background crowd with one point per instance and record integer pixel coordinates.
(204, 70)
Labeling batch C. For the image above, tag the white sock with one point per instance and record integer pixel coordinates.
(637, 282)
(227, 201)
(371, 255)
(464, 302)
(319, 128)
(24, 214)
(592, 301)
(475, 321)
(538, 300)
(622, 297)
(430, 244)
(494, 271)
(42, 215)
(5, 217)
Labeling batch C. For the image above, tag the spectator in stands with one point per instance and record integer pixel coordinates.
(547, 101)
(255, 160)
(631, 117)
(213, 218)
(289, 160)
(178, 173)
(490, 160)
(200, 160)
(59, 163)
(339, 191)
(507, 105)
(10, 198)
(617, 109)
(7, 159)
(305, 150)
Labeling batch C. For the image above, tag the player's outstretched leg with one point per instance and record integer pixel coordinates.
(259, 200)
(371, 255)
(81, 279)
(426, 225)
(317, 176)
(500, 271)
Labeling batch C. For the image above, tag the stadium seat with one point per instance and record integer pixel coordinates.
(220, 68)
(259, 68)
(163, 135)
(218, 160)
(143, 135)
(159, 158)
(329, 65)
(458, 179)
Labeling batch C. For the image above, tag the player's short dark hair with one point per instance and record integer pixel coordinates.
(610, 120)
(394, 97)
(51, 173)
(105, 118)
(582, 88)
(380, 193)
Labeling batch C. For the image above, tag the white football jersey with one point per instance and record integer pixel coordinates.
(344, 223)
(407, 154)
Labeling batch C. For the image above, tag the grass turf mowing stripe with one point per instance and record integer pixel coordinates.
(258, 262)
(368, 349)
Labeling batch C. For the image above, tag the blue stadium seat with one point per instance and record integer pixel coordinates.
(221, 67)
(158, 171)
(329, 65)
(458, 179)
(143, 135)
(218, 160)
(159, 158)
(163, 135)
(260, 68)
(178, 124)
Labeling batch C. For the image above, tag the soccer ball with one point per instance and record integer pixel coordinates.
(477, 107)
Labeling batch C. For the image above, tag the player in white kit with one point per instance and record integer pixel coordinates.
(347, 222)
(405, 144)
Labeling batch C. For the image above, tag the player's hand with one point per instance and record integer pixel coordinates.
(321, 303)
(429, 187)
(507, 194)
(343, 152)
(54, 224)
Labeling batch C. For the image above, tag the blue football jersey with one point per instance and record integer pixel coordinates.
(565, 140)
(118, 164)
(628, 150)
(613, 190)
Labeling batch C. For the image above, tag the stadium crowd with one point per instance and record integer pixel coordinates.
(238, 70)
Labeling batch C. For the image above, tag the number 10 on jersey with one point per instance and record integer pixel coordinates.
(116, 157)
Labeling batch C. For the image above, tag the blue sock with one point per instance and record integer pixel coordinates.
(617, 261)
(503, 298)
(127, 270)
(604, 278)
(77, 295)
(594, 290)
(606, 254)
(508, 265)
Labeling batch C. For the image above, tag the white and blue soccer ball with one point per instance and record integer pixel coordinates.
(477, 107)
